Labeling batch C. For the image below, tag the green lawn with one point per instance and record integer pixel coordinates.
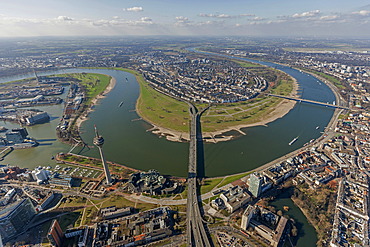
(240, 113)
(209, 184)
(121, 202)
(73, 202)
(161, 109)
(68, 220)
(284, 88)
(233, 178)
(93, 83)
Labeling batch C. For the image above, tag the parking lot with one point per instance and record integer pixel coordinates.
(77, 171)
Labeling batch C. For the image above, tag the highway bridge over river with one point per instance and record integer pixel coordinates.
(307, 101)
(197, 233)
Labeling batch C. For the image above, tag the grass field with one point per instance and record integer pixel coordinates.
(69, 220)
(120, 202)
(222, 116)
(247, 64)
(157, 108)
(232, 178)
(212, 183)
(93, 163)
(94, 84)
(209, 184)
(85, 216)
(161, 109)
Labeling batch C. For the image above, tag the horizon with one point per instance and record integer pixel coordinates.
(133, 37)
(250, 18)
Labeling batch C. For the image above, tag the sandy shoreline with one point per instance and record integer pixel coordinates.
(217, 136)
(94, 101)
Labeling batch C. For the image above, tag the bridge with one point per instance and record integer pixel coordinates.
(307, 101)
(197, 234)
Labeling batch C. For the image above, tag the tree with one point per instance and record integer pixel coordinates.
(294, 231)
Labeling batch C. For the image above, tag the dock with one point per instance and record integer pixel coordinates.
(5, 152)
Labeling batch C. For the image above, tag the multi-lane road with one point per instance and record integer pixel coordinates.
(197, 234)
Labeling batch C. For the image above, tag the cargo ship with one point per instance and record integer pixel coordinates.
(292, 141)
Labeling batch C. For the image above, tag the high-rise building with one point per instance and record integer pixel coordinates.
(15, 217)
(55, 234)
(246, 217)
(99, 141)
(255, 184)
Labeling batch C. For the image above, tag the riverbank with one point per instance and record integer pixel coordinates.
(83, 117)
(338, 97)
(305, 213)
(318, 206)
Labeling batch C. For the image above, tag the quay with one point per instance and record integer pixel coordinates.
(5, 152)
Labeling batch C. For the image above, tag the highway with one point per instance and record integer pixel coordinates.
(196, 229)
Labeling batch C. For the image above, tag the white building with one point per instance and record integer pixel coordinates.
(41, 175)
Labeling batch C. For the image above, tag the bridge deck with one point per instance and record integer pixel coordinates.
(307, 101)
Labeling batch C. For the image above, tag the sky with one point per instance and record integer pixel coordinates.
(262, 18)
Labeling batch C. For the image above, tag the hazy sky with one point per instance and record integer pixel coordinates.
(185, 17)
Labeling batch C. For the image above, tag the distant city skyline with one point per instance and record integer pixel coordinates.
(336, 18)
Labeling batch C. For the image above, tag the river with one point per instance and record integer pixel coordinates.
(128, 143)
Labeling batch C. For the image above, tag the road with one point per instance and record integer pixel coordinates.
(307, 101)
(196, 229)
